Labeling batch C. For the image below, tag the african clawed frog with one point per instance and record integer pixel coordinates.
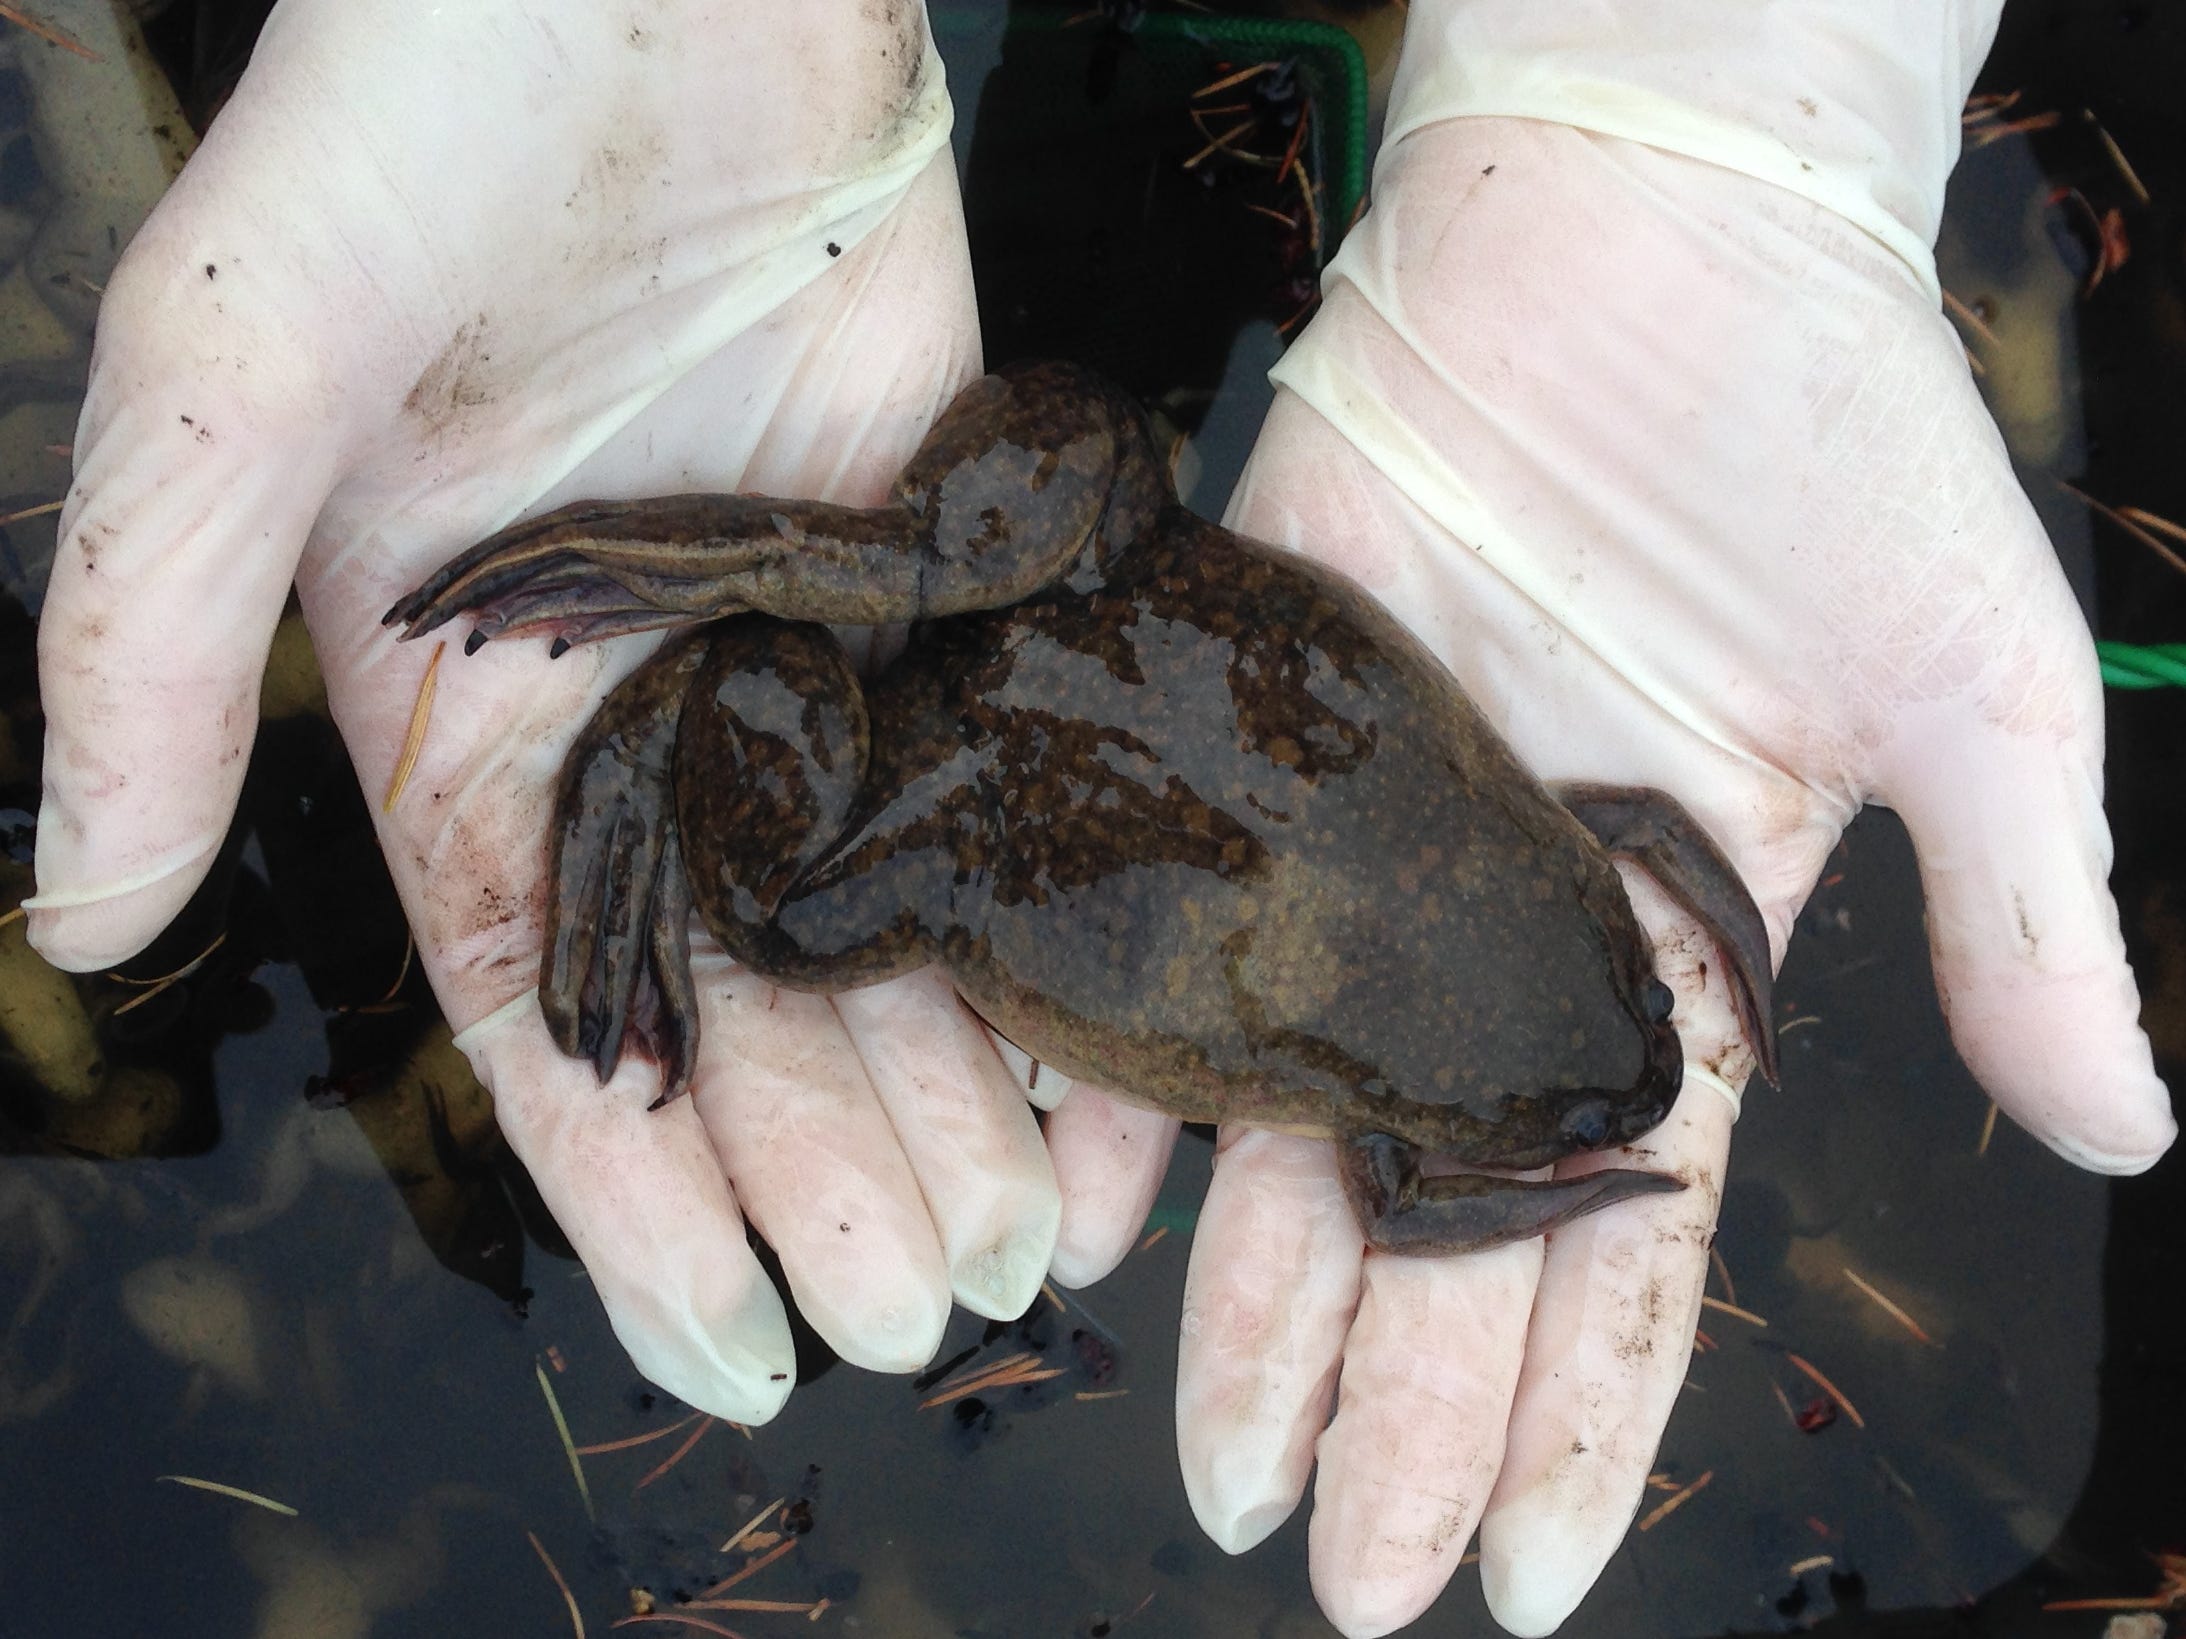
(1182, 814)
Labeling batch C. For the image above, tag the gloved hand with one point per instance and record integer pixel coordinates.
(435, 268)
(1632, 395)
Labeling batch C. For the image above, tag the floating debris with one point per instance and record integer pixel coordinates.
(2170, 1591)
(235, 1491)
(2117, 157)
(1791, 1412)
(1672, 1503)
(1971, 318)
(1732, 1309)
(166, 981)
(1014, 1372)
(1891, 1309)
(576, 1618)
(1996, 131)
(1155, 1236)
(569, 1446)
(2137, 522)
(421, 716)
(697, 1622)
(751, 1524)
(677, 1455)
(1723, 1273)
(1988, 1130)
(647, 1438)
(1818, 1562)
(7, 518)
(47, 32)
(751, 1569)
(1827, 1387)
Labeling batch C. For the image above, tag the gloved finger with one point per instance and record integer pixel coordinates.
(2006, 818)
(190, 504)
(1042, 1085)
(1409, 1460)
(971, 1139)
(1109, 1160)
(642, 1198)
(1268, 1296)
(818, 1169)
(1605, 1355)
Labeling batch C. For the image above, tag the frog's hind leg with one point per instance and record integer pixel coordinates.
(1654, 831)
(1412, 1216)
(599, 569)
(617, 969)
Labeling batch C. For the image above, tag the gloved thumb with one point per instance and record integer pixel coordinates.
(2004, 802)
(198, 475)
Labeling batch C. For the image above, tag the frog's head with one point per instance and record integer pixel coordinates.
(1596, 1118)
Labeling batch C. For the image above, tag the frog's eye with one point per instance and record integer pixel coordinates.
(1659, 1001)
(1587, 1125)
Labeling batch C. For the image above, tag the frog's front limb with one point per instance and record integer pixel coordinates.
(1655, 832)
(824, 827)
(1416, 1216)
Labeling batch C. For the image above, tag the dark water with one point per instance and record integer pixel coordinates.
(313, 1273)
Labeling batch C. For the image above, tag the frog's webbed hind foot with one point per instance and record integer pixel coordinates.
(618, 968)
(1412, 1216)
(603, 568)
(1653, 830)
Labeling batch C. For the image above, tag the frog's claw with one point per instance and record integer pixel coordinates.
(1654, 831)
(618, 912)
(1412, 1216)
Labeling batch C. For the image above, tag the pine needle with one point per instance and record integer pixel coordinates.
(421, 716)
(751, 1525)
(676, 1456)
(1732, 1309)
(576, 1619)
(606, 1446)
(751, 1569)
(48, 33)
(1887, 1307)
(569, 1446)
(1671, 1504)
(1828, 1388)
(235, 1491)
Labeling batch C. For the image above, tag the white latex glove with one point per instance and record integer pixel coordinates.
(436, 267)
(1639, 407)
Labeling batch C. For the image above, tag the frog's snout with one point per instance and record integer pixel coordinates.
(1656, 1008)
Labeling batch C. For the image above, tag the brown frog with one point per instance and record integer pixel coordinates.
(1182, 814)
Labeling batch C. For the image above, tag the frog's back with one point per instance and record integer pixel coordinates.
(1275, 861)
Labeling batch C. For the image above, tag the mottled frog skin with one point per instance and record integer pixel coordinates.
(1182, 814)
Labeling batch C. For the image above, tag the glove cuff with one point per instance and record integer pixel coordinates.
(1853, 104)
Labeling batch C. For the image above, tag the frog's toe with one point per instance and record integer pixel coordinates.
(1656, 832)
(617, 971)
